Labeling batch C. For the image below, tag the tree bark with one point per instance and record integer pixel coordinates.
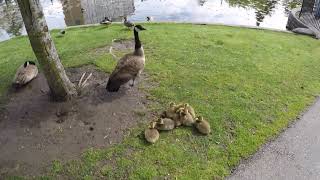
(45, 51)
(307, 6)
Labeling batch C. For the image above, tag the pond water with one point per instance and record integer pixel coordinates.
(62, 13)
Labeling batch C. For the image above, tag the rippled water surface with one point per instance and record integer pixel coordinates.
(62, 13)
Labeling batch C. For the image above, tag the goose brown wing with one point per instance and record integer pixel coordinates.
(127, 68)
(129, 64)
(25, 74)
(119, 78)
(31, 73)
(19, 76)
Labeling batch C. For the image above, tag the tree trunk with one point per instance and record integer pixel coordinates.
(45, 51)
(307, 6)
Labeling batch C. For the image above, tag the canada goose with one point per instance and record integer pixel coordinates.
(149, 18)
(186, 117)
(202, 126)
(151, 134)
(127, 23)
(129, 66)
(165, 124)
(26, 72)
(62, 32)
(106, 21)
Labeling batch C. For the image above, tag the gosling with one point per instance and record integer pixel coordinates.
(165, 124)
(171, 112)
(186, 117)
(190, 110)
(202, 126)
(151, 134)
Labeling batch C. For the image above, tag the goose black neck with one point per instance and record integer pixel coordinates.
(137, 40)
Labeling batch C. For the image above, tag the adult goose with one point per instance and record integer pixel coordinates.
(106, 21)
(149, 18)
(127, 23)
(129, 66)
(25, 73)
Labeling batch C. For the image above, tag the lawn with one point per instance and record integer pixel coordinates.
(249, 84)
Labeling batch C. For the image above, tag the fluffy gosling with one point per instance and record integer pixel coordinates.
(202, 126)
(190, 110)
(171, 112)
(165, 124)
(185, 117)
(151, 134)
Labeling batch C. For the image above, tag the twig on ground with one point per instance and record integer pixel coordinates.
(110, 51)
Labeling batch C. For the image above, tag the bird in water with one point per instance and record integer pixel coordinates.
(106, 21)
(25, 73)
(130, 66)
(127, 23)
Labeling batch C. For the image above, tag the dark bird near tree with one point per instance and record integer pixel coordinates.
(25, 73)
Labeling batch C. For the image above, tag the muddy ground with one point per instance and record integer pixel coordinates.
(34, 130)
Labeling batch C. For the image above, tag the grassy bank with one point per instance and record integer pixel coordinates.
(249, 84)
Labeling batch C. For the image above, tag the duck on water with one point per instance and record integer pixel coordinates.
(130, 66)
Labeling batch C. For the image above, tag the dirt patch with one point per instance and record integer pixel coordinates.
(123, 44)
(34, 130)
(118, 45)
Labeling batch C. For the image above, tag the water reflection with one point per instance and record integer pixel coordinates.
(89, 12)
(61, 13)
(201, 2)
(73, 12)
(262, 7)
(10, 18)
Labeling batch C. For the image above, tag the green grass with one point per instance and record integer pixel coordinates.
(249, 84)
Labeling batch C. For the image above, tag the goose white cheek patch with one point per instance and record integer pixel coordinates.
(137, 29)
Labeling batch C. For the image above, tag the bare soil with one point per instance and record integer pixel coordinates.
(120, 44)
(34, 130)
